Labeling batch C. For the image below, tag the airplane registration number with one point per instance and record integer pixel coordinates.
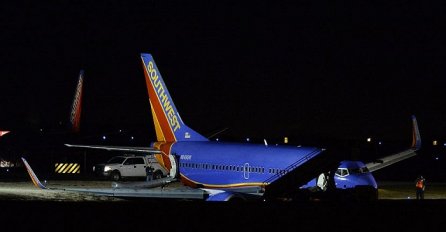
(186, 157)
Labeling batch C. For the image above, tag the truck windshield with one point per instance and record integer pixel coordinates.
(116, 160)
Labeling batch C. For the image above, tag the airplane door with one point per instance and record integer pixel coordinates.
(174, 167)
(322, 181)
(246, 171)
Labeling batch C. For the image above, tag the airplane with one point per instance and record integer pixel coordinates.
(226, 171)
(23, 137)
(353, 174)
(221, 171)
(75, 115)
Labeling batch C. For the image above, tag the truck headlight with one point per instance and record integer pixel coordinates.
(107, 168)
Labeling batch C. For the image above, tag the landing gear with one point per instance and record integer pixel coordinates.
(157, 175)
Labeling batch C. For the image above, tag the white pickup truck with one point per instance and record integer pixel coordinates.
(129, 166)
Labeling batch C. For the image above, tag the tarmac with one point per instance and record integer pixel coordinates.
(25, 207)
(26, 191)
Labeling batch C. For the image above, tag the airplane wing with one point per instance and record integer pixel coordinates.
(170, 192)
(158, 192)
(164, 188)
(152, 189)
(150, 150)
(391, 159)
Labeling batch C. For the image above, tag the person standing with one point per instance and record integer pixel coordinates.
(149, 173)
(420, 185)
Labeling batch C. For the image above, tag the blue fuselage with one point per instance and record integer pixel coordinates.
(353, 174)
(350, 174)
(226, 165)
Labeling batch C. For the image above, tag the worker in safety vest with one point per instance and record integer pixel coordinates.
(420, 185)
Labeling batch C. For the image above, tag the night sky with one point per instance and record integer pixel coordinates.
(261, 69)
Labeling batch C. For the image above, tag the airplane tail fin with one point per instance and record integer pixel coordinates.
(416, 139)
(168, 124)
(75, 116)
(33, 176)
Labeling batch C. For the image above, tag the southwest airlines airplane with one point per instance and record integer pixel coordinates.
(351, 175)
(220, 171)
(75, 114)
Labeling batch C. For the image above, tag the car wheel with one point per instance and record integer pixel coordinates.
(115, 176)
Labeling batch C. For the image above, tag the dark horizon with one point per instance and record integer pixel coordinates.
(266, 70)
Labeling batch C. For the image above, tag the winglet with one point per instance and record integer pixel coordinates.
(75, 116)
(416, 139)
(33, 176)
(391, 159)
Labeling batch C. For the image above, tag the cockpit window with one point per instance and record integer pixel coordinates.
(342, 172)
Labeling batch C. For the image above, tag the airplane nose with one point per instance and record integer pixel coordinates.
(371, 181)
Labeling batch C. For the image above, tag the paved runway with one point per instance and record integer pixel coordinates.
(25, 190)
(25, 207)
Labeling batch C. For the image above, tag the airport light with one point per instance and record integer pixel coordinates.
(104, 137)
(435, 142)
(247, 139)
(216, 139)
(3, 133)
(132, 138)
(369, 140)
(380, 143)
(285, 140)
